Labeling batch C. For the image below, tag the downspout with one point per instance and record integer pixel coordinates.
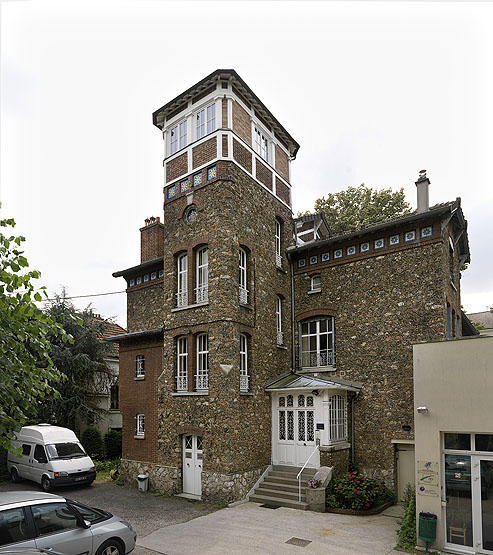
(293, 352)
(352, 429)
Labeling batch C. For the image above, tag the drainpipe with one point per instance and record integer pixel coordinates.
(293, 352)
(352, 430)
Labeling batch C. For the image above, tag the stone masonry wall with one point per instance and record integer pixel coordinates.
(162, 479)
(145, 307)
(382, 305)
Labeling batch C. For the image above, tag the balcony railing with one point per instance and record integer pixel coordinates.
(278, 260)
(182, 298)
(181, 383)
(315, 359)
(243, 295)
(202, 294)
(280, 338)
(244, 382)
(202, 382)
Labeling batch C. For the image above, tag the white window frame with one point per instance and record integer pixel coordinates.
(140, 366)
(261, 142)
(278, 231)
(337, 418)
(182, 134)
(205, 120)
(182, 280)
(242, 269)
(317, 358)
(173, 140)
(140, 425)
(280, 335)
(182, 364)
(202, 368)
(244, 376)
(202, 275)
(316, 283)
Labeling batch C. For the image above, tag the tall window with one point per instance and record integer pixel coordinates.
(202, 265)
(182, 364)
(243, 294)
(183, 134)
(317, 343)
(140, 366)
(174, 139)
(280, 335)
(244, 377)
(206, 121)
(202, 371)
(114, 399)
(261, 144)
(316, 283)
(182, 273)
(278, 244)
(139, 425)
(449, 324)
(337, 419)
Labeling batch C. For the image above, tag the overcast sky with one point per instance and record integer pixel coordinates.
(372, 91)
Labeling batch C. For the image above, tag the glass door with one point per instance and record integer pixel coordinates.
(458, 491)
(482, 474)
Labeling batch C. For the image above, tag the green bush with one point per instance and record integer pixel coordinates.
(407, 531)
(92, 440)
(106, 466)
(355, 491)
(113, 444)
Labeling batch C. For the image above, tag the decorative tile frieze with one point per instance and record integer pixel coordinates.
(172, 191)
(364, 247)
(313, 259)
(379, 243)
(351, 250)
(394, 240)
(301, 263)
(184, 185)
(410, 236)
(426, 232)
(197, 179)
(338, 253)
(212, 173)
(325, 256)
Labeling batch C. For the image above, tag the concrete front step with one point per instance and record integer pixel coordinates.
(285, 481)
(291, 495)
(267, 483)
(265, 499)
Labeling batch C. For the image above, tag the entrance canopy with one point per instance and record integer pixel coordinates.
(291, 381)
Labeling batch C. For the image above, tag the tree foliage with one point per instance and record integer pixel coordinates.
(82, 361)
(357, 207)
(27, 374)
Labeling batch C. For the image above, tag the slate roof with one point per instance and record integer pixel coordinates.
(483, 318)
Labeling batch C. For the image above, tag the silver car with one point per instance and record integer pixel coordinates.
(30, 520)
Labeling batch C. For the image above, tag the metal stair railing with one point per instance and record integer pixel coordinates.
(301, 471)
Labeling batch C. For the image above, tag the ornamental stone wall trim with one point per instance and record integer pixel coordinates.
(322, 311)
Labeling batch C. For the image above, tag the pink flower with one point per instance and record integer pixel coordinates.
(358, 492)
(367, 504)
(339, 488)
(364, 479)
(358, 482)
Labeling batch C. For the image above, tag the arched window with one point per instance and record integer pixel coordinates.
(242, 267)
(244, 377)
(202, 279)
(337, 419)
(182, 364)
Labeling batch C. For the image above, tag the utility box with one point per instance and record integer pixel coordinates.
(427, 528)
(143, 480)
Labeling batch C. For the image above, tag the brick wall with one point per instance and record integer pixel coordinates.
(204, 152)
(139, 396)
(224, 107)
(241, 123)
(283, 192)
(282, 163)
(151, 241)
(242, 155)
(176, 167)
(224, 145)
(264, 175)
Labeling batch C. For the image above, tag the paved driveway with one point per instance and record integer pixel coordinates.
(176, 526)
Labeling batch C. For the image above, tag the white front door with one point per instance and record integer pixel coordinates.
(192, 464)
(294, 430)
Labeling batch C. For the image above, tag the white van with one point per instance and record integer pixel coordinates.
(51, 456)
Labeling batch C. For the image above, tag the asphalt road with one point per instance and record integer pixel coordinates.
(146, 512)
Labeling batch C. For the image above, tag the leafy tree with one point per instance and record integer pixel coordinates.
(82, 361)
(357, 207)
(27, 374)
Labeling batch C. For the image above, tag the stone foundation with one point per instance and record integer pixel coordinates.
(162, 479)
(227, 488)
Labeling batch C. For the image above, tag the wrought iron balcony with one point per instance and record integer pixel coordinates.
(243, 295)
(244, 382)
(278, 260)
(181, 383)
(280, 338)
(202, 294)
(202, 382)
(315, 359)
(182, 298)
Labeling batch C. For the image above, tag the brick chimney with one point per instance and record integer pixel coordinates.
(151, 239)
(422, 186)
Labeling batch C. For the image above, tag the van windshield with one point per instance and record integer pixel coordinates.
(65, 451)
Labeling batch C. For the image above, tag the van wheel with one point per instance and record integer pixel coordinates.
(110, 547)
(14, 475)
(45, 483)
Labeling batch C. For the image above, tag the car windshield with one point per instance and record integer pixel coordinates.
(65, 451)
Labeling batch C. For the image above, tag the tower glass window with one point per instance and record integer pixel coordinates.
(182, 274)
(261, 144)
(140, 366)
(140, 425)
(280, 335)
(317, 343)
(182, 364)
(278, 244)
(244, 377)
(202, 370)
(173, 141)
(183, 134)
(243, 293)
(206, 121)
(202, 265)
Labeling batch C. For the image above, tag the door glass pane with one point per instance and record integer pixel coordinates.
(199, 443)
(484, 442)
(459, 502)
(290, 425)
(301, 425)
(282, 425)
(486, 469)
(460, 442)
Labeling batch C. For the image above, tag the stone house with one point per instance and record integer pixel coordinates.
(256, 339)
